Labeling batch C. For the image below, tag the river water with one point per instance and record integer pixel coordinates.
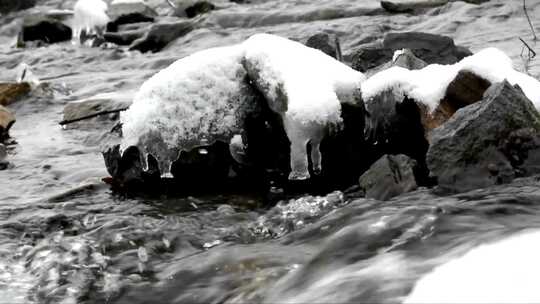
(66, 238)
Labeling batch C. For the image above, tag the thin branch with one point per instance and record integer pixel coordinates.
(68, 121)
(529, 20)
(532, 53)
(171, 4)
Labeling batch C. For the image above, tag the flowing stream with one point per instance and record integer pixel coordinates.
(66, 238)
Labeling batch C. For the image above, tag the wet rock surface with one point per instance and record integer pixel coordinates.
(7, 119)
(390, 176)
(12, 92)
(160, 35)
(466, 152)
(46, 29)
(329, 44)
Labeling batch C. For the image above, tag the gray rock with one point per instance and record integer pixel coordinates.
(41, 27)
(199, 8)
(326, 43)
(102, 104)
(409, 6)
(160, 35)
(129, 12)
(390, 176)
(406, 59)
(470, 150)
(427, 47)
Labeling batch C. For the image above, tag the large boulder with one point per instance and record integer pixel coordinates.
(388, 177)
(46, 29)
(160, 35)
(11, 92)
(468, 151)
(7, 119)
(430, 48)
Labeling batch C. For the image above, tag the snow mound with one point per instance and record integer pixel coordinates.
(305, 86)
(89, 16)
(202, 98)
(197, 100)
(429, 84)
(504, 272)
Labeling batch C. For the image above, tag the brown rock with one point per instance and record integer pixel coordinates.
(11, 92)
(7, 119)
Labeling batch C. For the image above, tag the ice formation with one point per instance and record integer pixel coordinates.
(201, 98)
(504, 272)
(429, 84)
(196, 100)
(305, 86)
(90, 16)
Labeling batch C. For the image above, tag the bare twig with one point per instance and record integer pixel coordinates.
(68, 121)
(529, 20)
(171, 4)
(532, 53)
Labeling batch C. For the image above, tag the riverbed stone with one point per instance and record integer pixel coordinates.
(468, 151)
(129, 12)
(161, 34)
(388, 177)
(41, 27)
(7, 6)
(328, 44)
(11, 92)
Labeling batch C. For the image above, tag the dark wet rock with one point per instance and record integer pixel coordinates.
(329, 44)
(7, 119)
(160, 35)
(12, 92)
(127, 170)
(127, 13)
(95, 106)
(7, 6)
(388, 177)
(468, 151)
(3, 155)
(466, 89)
(430, 48)
(409, 6)
(45, 28)
(199, 8)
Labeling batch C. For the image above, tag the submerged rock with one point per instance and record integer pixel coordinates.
(326, 43)
(7, 6)
(101, 104)
(468, 151)
(388, 177)
(126, 12)
(430, 48)
(199, 8)
(408, 6)
(46, 29)
(12, 92)
(7, 119)
(160, 35)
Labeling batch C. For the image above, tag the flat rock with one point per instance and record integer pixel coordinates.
(430, 48)
(7, 119)
(101, 104)
(129, 12)
(12, 92)
(408, 6)
(388, 177)
(468, 151)
(160, 35)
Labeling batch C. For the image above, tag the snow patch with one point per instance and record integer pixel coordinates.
(429, 84)
(89, 16)
(504, 272)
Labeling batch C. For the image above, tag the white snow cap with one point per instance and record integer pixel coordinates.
(89, 15)
(504, 272)
(429, 84)
(196, 97)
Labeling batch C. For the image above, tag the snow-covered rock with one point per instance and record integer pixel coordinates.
(90, 16)
(197, 100)
(306, 87)
(428, 85)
